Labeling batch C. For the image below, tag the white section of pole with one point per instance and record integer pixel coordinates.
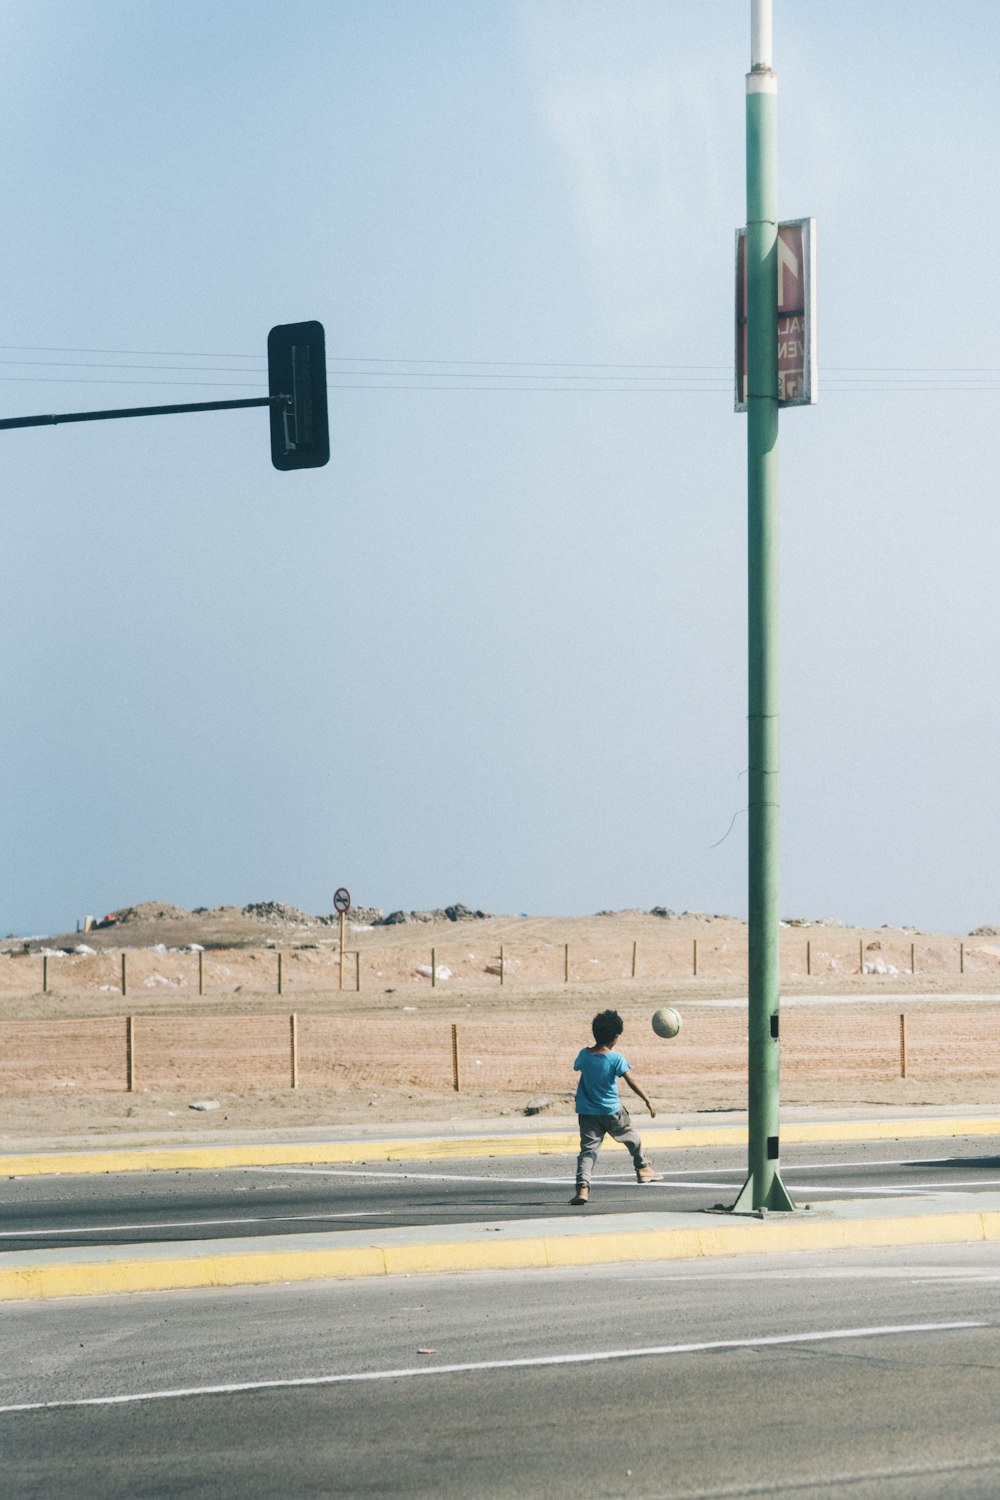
(761, 45)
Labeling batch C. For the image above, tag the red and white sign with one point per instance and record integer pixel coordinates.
(342, 899)
(797, 374)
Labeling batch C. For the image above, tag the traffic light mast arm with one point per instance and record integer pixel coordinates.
(142, 411)
(296, 380)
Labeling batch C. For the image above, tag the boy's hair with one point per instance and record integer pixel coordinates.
(607, 1027)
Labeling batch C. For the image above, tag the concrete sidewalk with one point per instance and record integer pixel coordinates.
(538, 1243)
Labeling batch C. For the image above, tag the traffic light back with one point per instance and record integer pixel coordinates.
(296, 373)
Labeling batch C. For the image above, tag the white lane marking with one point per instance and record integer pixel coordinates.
(936, 1189)
(847, 1189)
(492, 1179)
(37, 1234)
(564, 1179)
(668, 1180)
(952, 1276)
(785, 1272)
(534, 1362)
(560, 1181)
(606, 1179)
(902, 1161)
(829, 1166)
(786, 1167)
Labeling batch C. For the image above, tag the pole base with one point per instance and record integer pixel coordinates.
(776, 1200)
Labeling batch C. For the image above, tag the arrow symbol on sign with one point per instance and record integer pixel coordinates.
(787, 261)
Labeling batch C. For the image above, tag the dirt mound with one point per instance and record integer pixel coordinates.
(278, 914)
(457, 913)
(147, 924)
(144, 911)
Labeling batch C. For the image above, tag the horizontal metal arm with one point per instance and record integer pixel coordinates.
(142, 411)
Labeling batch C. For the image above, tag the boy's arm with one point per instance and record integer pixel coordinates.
(629, 1078)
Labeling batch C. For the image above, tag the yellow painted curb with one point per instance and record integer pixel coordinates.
(888, 1130)
(110, 1277)
(218, 1158)
(712, 1239)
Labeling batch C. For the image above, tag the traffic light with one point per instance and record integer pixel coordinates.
(296, 376)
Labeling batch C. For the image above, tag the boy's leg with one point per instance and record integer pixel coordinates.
(592, 1130)
(624, 1132)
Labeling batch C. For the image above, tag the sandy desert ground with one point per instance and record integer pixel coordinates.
(386, 1053)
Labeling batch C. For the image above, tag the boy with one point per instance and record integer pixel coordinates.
(599, 1108)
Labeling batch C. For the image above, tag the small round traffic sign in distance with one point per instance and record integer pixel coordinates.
(342, 899)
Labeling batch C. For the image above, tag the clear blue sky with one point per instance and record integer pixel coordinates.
(495, 651)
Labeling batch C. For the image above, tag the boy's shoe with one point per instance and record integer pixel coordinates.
(582, 1194)
(646, 1174)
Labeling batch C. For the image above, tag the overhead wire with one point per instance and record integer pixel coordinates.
(455, 375)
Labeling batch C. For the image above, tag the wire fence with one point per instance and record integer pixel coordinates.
(270, 1052)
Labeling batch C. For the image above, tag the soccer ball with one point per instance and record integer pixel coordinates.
(666, 1022)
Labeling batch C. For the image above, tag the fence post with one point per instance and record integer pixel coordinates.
(124, 976)
(281, 987)
(501, 963)
(201, 973)
(566, 966)
(809, 956)
(961, 958)
(913, 958)
(45, 976)
(293, 1038)
(694, 958)
(902, 1045)
(130, 1053)
(635, 949)
(861, 955)
(357, 970)
(455, 1074)
(434, 969)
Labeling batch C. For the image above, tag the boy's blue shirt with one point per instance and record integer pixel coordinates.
(597, 1091)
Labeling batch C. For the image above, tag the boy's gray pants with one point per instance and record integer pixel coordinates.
(593, 1129)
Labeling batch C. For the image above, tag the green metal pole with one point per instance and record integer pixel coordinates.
(763, 1187)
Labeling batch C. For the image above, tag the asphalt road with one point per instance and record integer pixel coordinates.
(858, 1376)
(49, 1212)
